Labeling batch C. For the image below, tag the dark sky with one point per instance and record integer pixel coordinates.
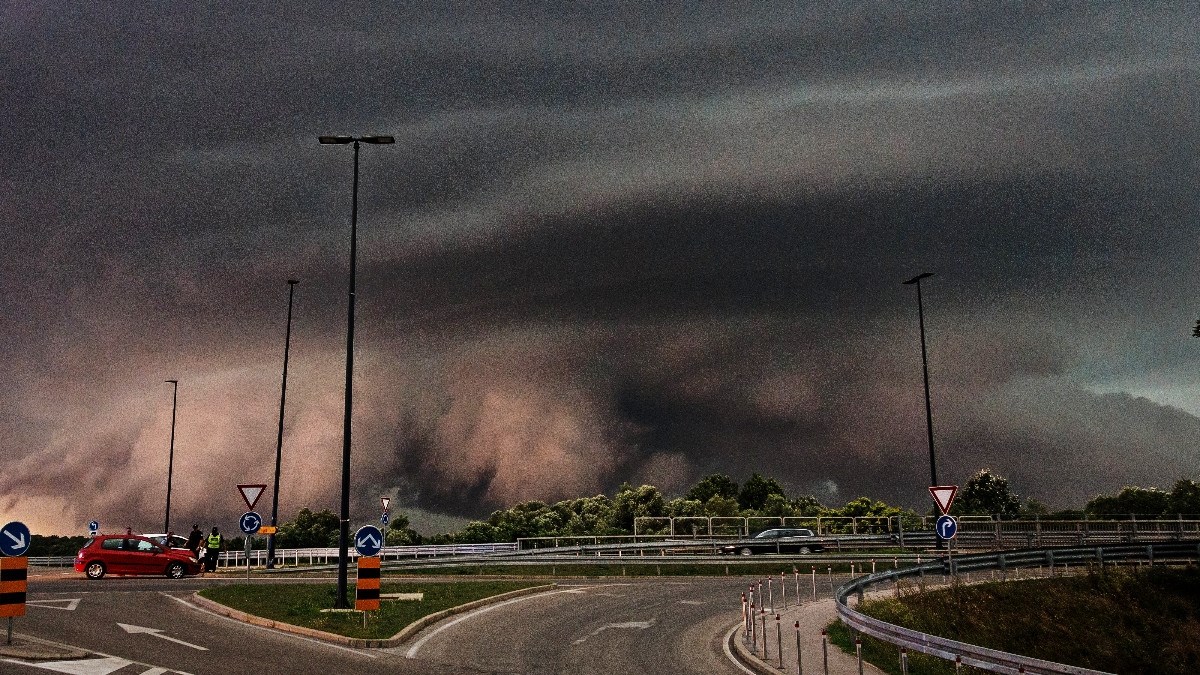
(611, 243)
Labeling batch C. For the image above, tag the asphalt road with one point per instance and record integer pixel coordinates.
(144, 626)
(651, 626)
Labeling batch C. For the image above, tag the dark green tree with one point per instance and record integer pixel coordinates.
(755, 490)
(987, 494)
(1130, 500)
(630, 503)
(713, 484)
(309, 530)
(1184, 498)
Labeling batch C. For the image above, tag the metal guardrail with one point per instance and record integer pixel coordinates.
(981, 657)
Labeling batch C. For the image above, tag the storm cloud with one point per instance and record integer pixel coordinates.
(608, 245)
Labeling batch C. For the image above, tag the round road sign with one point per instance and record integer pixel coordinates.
(368, 540)
(14, 538)
(250, 522)
(946, 526)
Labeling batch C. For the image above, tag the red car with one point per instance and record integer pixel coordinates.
(132, 554)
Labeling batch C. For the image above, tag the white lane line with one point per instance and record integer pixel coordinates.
(293, 636)
(692, 602)
(412, 651)
(729, 654)
(155, 671)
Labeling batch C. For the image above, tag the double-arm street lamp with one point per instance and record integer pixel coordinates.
(344, 536)
(171, 456)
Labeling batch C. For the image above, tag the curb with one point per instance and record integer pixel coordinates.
(395, 641)
(746, 657)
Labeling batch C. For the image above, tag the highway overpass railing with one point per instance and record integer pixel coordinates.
(981, 657)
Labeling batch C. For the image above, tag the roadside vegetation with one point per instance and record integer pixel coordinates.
(1115, 619)
(764, 498)
(302, 604)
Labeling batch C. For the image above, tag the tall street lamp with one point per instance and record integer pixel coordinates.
(933, 480)
(344, 536)
(171, 456)
(287, 343)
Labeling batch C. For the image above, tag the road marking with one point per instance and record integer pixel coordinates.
(692, 602)
(103, 666)
(412, 651)
(633, 625)
(155, 671)
(157, 632)
(52, 604)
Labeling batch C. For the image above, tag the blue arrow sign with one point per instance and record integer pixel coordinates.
(384, 518)
(94, 526)
(946, 526)
(250, 522)
(14, 538)
(368, 540)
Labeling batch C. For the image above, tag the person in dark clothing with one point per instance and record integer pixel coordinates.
(194, 539)
(216, 543)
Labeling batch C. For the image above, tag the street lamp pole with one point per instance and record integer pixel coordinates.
(171, 456)
(287, 343)
(340, 601)
(933, 480)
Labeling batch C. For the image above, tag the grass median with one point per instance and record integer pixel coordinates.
(302, 604)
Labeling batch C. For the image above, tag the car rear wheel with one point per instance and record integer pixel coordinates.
(95, 570)
(175, 570)
(805, 550)
(746, 551)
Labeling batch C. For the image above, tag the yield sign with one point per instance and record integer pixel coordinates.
(251, 493)
(944, 496)
(386, 502)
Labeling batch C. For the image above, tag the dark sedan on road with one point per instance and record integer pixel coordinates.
(777, 540)
(131, 554)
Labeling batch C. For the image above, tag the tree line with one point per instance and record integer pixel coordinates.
(986, 493)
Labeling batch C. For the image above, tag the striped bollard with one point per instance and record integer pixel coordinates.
(799, 657)
(779, 640)
(825, 649)
(783, 590)
(766, 654)
(858, 652)
(904, 661)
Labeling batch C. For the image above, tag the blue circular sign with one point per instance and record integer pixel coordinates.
(383, 520)
(94, 526)
(946, 526)
(368, 540)
(14, 538)
(250, 522)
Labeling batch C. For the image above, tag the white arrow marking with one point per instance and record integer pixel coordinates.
(19, 541)
(636, 625)
(374, 542)
(156, 632)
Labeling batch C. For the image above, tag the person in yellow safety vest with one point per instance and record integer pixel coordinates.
(215, 543)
